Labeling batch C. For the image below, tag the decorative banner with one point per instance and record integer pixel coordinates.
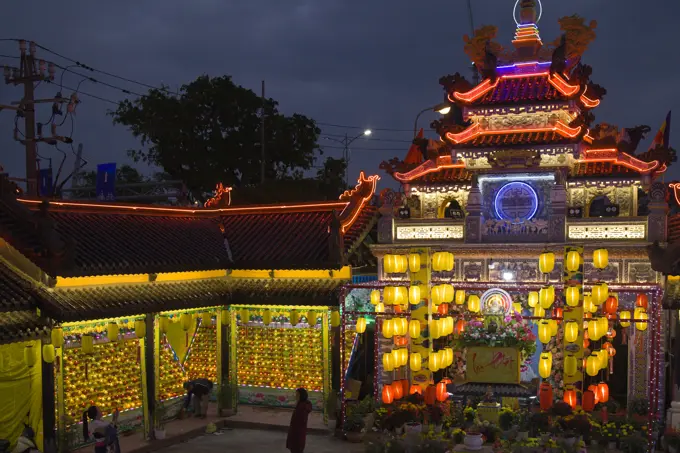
(106, 182)
(493, 365)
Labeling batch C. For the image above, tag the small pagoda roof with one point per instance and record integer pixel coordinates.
(548, 137)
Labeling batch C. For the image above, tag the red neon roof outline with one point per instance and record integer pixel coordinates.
(589, 103)
(364, 189)
(485, 86)
(676, 190)
(473, 132)
(617, 157)
(429, 166)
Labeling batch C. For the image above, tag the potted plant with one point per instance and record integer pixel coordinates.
(523, 425)
(540, 423)
(354, 428)
(160, 413)
(638, 409)
(458, 436)
(436, 415)
(506, 420)
(634, 444)
(610, 434)
(366, 408)
(225, 398)
(473, 439)
(470, 416)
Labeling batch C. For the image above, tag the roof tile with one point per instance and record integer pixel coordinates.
(520, 90)
(517, 138)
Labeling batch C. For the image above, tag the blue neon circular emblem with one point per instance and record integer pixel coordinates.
(516, 202)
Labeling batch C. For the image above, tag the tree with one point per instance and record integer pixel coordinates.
(210, 133)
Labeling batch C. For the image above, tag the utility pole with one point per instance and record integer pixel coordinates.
(31, 71)
(262, 157)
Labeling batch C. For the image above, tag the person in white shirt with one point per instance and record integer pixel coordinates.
(103, 432)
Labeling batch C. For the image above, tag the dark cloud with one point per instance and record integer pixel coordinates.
(347, 62)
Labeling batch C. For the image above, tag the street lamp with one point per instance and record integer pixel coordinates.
(345, 142)
(443, 109)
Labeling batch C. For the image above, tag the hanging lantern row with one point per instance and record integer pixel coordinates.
(546, 262)
(442, 261)
(395, 264)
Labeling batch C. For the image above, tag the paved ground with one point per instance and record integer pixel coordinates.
(256, 441)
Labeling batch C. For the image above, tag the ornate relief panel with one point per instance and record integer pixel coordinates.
(641, 273)
(514, 270)
(610, 274)
(434, 198)
(472, 271)
(624, 195)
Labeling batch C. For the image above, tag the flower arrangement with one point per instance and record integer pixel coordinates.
(470, 414)
(458, 435)
(609, 432)
(514, 332)
(507, 418)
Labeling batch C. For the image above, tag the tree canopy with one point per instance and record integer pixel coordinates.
(210, 132)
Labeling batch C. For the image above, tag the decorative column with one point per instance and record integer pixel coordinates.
(558, 208)
(233, 361)
(473, 220)
(574, 314)
(48, 410)
(61, 413)
(658, 213)
(148, 346)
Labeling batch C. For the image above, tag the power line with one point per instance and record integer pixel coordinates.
(363, 149)
(364, 127)
(371, 139)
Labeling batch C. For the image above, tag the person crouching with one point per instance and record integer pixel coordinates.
(200, 390)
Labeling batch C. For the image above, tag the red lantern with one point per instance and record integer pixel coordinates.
(397, 308)
(387, 394)
(405, 386)
(460, 326)
(593, 388)
(611, 305)
(603, 392)
(586, 342)
(642, 301)
(570, 397)
(558, 313)
(400, 341)
(588, 402)
(446, 380)
(416, 389)
(397, 390)
(443, 309)
(545, 396)
(441, 393)
(430, 395)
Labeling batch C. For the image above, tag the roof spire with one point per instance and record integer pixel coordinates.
(527, 40)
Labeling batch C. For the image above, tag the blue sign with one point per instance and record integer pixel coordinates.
(46, 188)
(516, 202)
(106, 182)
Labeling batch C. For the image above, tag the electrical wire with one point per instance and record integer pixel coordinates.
(371, 139)
(354, 148)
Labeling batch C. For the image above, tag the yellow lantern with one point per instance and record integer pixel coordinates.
(588, 305)
(375, 297)
(544, 332)
(553, 327)
(388, 362)
(448, 325)
(437, 295)
(186, 321)
(433, 361)
(403, 356)
(335, 318)
(294, 318)
(517, 307)
(389, 295)
(592, 365)
(388, 328)
(400, 295)
(226, 318)
(380, 308)
(140, 328)
(546, 296)
(624, 318)
(414, 328)
(206, 318)
(415, 361)
(401, 326)
(414, 262)
(473, 303)
(414, 295)
(29, 356)
(164, 323)
(48, 353)
(87, 344)
(438, 261)
(447, 293)
(600, 293)
(603, 356)
(267, 317)
(361, 325)
(570, 365)
(460, 297)
(389, 263)
(396, 358)
(112, 331)
(640, 313)
(571, 331)
(449, 356)
(601, 258)
(572, 295)
(57, 336)
(434, 328)
(311, 317)
(544, 365)
(402, 263)
(532, 299)
(449, 262)
(546, 262)
(539, 311)
(604, 325)
(573, 261)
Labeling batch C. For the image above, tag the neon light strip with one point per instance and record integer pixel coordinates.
(475, 93)
(373, 180)
(589, 103)
(562, 86)
(473, 132)
(676, 191)
(531, 63)
(534, 195)
(426, 167)
(618, 158)
(525, 177)
(480, 90)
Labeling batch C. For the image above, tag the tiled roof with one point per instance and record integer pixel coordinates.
(360, 228)
(323, 292)
(445, 175)
(590, 169)
(21, 326)
(520, 90)
(15, 293)
(113, 243)
(96, 302)
(518, 138)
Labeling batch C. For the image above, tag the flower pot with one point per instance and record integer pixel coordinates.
(522, 435)
(438, 428)
(473, 441)
(354, 436)
(411, 428)
(159, 434)
(569, 441)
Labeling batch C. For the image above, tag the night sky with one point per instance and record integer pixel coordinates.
(342, 62)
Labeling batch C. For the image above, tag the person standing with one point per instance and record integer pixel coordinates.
(297, 432)
(105, 434)
(200, 390)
